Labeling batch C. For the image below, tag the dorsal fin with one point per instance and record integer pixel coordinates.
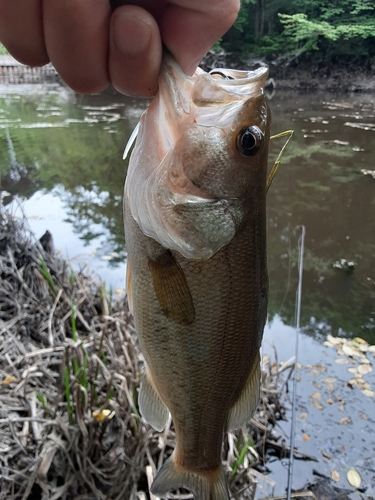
(131, 140)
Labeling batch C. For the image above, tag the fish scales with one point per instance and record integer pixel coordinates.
(200, 319)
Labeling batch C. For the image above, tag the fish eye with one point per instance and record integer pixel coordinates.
(249, 140)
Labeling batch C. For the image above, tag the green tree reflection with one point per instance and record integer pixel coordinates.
(78, 155)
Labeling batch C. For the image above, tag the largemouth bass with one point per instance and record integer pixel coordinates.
(195, 229)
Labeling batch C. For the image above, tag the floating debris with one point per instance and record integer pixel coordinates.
(341, 143)
(354, 478)
(347, 265)
(368, 172)
(362, 126)
(356, 352)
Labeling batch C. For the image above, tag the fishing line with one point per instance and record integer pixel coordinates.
(289, 270)
(301, 246)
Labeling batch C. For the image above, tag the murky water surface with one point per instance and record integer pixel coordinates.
(61, 153)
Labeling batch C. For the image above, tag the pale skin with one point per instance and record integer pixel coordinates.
(92, 44)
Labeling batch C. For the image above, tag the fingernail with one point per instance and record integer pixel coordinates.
(132, 34)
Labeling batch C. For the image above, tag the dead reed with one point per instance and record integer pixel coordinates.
(69, 373)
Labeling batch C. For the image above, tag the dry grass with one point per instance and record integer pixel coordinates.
(69, 374)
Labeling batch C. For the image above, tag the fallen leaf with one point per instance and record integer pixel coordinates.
(318, 405)
(335, 475)
(334, 340)
(353, 477)
(100, 415)
(314, 371)
(368, 393)
(328, 344)
(303, 416)
(320, 367)
(330, 387)
(372, 348)
(8, 380)
(352, 369)
(363, 416)
(363, 385)
(345, 421)
(318, 386)
(317, 395)
(365, 360)
(330, 380)
(326, 455)
(364, 369)
(330, 401)
(305, 437)
(342, 361)
(341, 408)
(352, 382)
(299, 366)
(348, 350)
(358, 340)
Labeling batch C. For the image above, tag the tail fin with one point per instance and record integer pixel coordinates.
(204, 486)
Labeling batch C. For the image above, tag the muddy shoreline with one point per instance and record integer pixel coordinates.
(332, 79)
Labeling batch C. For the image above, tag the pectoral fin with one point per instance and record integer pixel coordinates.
(172, 289)
(151, 406)
(243, 409)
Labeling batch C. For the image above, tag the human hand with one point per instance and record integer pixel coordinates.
(91, 45)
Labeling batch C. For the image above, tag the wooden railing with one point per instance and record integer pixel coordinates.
(13, 72)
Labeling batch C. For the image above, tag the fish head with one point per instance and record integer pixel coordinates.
(220, 125)
(200, 159)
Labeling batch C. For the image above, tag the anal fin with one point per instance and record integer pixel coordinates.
(243, 409)
(172, 289)
(151, 406)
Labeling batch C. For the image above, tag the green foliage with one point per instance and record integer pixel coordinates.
(3, 50)
(47, 276)
(300, 30)
(270, 28)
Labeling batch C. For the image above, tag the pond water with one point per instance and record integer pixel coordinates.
(61, 153)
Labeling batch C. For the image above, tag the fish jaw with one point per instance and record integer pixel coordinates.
(185, 161)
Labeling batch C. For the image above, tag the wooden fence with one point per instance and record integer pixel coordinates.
(13, 72)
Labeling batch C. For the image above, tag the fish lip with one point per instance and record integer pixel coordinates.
(239, 77)
(234, 78)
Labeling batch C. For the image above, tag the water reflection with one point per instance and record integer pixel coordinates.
(57, 143)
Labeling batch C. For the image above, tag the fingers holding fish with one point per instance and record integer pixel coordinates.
(76, 37)
(21, 31)
(96, 42)
(135, 51)
(189, 28)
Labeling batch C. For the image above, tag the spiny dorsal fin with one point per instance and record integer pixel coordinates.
(172, 289)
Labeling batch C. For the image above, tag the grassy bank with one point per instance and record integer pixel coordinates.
(70, 369)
